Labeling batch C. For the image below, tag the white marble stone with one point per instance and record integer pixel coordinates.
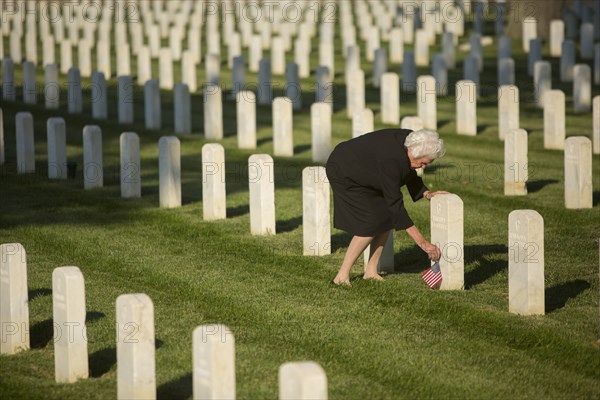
(411, 122)
(255, 53)
(123, 60)
(74, 94)
(557, 36)
(136, 376)
(542, 81)
(466, 108)
(386, 261)
(144, 65)
(212, 64)
(131, 182)
(390, 98)
(515, 163)
(529, 32)
(57, 148)
(508, 110)
(316, 226)
(213, 112)
(103, 58)
(166, 69)
(554, 120)
(152, 108)
(362, 122)
(126, 100)
(379, 66)
(421, 49)
(567, 61)
(506, 71)
(302, 381)
(326, 58)
(355, 92)
(596, 125)
(246, 119)
(283, 140)
(321, 119)
(93, 174)
(169, 169)
(578, 172)
(9, 92)
(29, 83)
(70, 333)
(49, 51)
(447, 233)
(582, 88)
(261, 179)
(51, 87)
(409, 74)
(396, 46)
(324, 86)
(427, 101)
(214, 362)
(526, 262)
(99, 99)
(66, 56)
(182, 109)
(14, 299)
(213, 182)
(25, 143)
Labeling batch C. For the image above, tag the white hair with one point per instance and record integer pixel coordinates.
(424, 143)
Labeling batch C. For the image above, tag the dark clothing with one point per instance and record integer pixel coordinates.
(366, 174)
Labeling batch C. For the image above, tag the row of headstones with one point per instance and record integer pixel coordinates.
(213, 346)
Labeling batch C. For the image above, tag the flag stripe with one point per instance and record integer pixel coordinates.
(432, 276)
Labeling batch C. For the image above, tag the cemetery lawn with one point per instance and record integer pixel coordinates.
(389, 340)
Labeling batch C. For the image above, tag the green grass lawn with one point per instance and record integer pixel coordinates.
(388, 340)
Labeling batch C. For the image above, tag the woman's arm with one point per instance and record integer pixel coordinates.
(432, 250)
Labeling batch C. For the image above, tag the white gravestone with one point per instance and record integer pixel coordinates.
(582, 88)
(125, 100)
(448, 50)
(427, 101)
(466, 108)
(93, 175)
(529, 32)
(379, 66)
(515, 163)
(51, 87)
(411, 122)
(508, 109)
(84, 55)
(324, 86)
(214, 362)
(144, 65)
(302, 381)
(166, 69)
(526, 263)
(421, 48)
(261, 179)
(57, 148)
(447, 233)
(183, 110)
(131, 184)
(396, 46)
(316, 226)
(321, 116)
(506, 71)
(213, 182)
(386, 260)
(390, 98)
(213, 113)
(542, 81)
(567, 61)
(25, 143)
(213, 68)
(136, 375)
(14, 301)
(596, 125)
(74, 95)
(66, 56)
(362, 122)
(355, 92)
(557, 36)
(99, 99)
(283, 140)
(554, 120)
(70, 333)
(578, 172)
(152, 109)
(246, 119)
(169, 171)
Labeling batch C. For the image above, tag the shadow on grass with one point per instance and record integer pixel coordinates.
(301, 148)
(180, 388)
(596, 198)
(288, 225)
(558, 295)
(34, 293)
(340, 240)
(41, 334)
(238, 211)
(536, 186)
(102, 361)
(486, 268)
(92, 316)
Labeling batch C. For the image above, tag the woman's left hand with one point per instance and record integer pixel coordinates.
(428, 194)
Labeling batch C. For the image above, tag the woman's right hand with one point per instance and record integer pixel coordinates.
(432, 251)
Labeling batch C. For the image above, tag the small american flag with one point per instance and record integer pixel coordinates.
(433, 276)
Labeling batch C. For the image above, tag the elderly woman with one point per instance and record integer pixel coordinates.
(366, 174)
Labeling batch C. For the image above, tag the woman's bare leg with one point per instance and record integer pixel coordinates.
(376, 250)
(357, 245)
